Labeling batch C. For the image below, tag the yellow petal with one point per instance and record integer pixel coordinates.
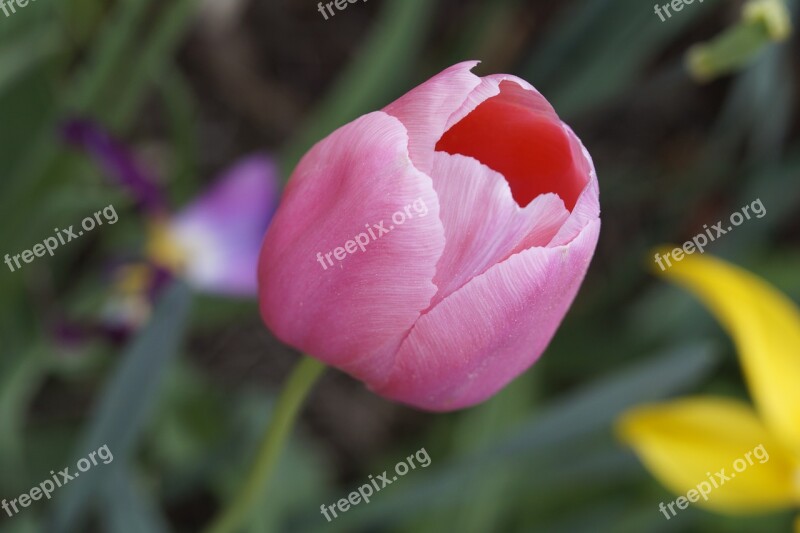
(694, 443)
(764, 324)
(797, 525)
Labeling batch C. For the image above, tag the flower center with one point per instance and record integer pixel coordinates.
(518, 134)
(164, 249)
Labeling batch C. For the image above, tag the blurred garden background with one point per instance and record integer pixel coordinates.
(182, 396)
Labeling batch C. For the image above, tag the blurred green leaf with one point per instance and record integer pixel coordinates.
(372, 78)
(127, 402)
(153, 59)
(180, 106)
(590, 409)
(754, 109)
(108, 52)
(29, 178)
(607, 45)
(192, 421)
(127, 508)
(18, 384)
(485, 508)
(301, 476)
(39, 44)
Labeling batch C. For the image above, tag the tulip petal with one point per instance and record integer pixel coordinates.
(490, 330)
(764, 324)
(689, 441)
(221, 231)
(348, 185)
(587, 207)
(517, 133)
(489, 87)
(483, 224)
(425, 110)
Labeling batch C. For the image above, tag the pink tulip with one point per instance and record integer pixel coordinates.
(443, 306)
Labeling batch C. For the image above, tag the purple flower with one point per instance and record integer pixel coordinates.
(213, 242)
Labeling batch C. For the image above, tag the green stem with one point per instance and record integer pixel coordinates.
(291, 399)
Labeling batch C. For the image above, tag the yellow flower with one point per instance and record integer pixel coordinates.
(747, 457)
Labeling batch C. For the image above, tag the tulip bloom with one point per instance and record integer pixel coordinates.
(437, 310)
(682, 441)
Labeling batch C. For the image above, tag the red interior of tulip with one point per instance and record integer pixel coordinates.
(518, 135)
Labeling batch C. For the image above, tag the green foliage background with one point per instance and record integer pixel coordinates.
(182, 407)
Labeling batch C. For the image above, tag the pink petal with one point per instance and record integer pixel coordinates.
(492, 329)
(355, 313)
(222, 230)
(587, 208)
(483, 224)
(527, 96)
(425, 110)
